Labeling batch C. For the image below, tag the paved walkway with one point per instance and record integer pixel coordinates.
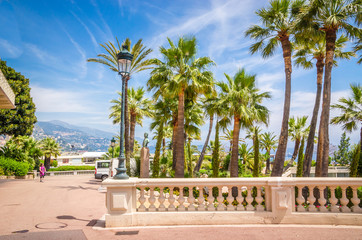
(69, 207)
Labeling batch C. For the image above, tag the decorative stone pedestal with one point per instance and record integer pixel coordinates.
(145, 163)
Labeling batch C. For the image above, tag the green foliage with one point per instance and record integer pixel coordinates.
(356, 155)
(342, 156)
(50, 147)
(216, 153)
(300, 159)
(71, 168)
(54, 163)
(21, 120)
(10, 167)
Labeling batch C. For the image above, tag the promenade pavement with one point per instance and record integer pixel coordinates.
(71, 207)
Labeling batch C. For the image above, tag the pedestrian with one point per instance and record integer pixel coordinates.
(41, 172)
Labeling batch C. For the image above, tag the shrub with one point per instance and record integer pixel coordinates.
(12, 167)
(54, 163)
(71, 168)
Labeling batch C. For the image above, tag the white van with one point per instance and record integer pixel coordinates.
(105, 168)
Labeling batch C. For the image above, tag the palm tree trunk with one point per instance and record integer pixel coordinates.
(313, 124)
(156, 159)
(215, 152)
(201, 158)
(47, 163)
(294, 156)
(283, 139)
(132, 131)
(234, 152)
(189, 167)
(180, 149)
(323, 139)
(126, 130)
(163, 146)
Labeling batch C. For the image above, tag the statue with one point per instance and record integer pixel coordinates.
(145, 141)
(145, 159)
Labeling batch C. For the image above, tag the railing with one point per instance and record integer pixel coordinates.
(136, 202)
(66, 173)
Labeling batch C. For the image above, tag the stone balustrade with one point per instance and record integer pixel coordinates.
(138, 202)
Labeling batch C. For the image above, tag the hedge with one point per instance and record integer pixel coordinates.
(71, 168)
(10, 167)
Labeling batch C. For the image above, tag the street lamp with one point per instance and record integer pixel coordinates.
(113, 143)
(124, 59)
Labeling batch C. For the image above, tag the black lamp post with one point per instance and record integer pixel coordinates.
(124, 59)
(113, 143)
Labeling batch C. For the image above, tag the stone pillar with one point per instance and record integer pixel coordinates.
(145, 163)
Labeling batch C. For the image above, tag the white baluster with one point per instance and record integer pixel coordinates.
(344, 200)
(161, 200)
(152, 200)
(322, 201)
(311, 199)
(300, 199)
(142, 200)
(333, 200)
(249, 199)
(171, 200)
(210, 199)
(181, 200)
(355, 200)
(240, 200)
(230, 199)
(201, 199)
(191, 200)
(259, 200)
(220, 200)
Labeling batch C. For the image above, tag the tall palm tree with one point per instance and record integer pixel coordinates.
(351, 111)
(184, 73)
(278, 20)
(297, 130)
(139, 63)
(307, 50)
(243, 100)
(268, 142)
(332, 17)
(50, 148)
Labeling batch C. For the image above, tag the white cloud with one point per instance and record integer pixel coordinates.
(9, 49)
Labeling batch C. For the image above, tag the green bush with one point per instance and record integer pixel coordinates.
(71, 168)
(54, 163)
(12, 167)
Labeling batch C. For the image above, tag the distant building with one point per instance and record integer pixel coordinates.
(7, 96)
(82, 159)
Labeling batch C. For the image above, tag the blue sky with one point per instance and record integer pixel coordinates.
(50, 41)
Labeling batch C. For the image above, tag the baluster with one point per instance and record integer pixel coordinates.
(300, 199)
(355, 200)
(142, 200)
(249, 199)
(259, 200)
(344, 200)
(171, 200)
(240, 199)
(230, 199)
(201, 199)
(152, 200)
(161, 200)
(333, 200)
(322, 201)
(311, 199)
(181, 200)
(220, 200)
(191, 200)
(210, 206)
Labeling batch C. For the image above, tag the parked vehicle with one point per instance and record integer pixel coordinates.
(102, 169)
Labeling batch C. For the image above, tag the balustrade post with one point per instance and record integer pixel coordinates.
(333, 200)
(322, 201)
(311, 199)
(210, 199)
(181, 200)
(355, 200)
(300, 199)
(230, 199)
(344, 200)
(259, 199)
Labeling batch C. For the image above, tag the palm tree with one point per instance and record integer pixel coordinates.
(297, 130)
(50, 148)
(247, 156)
(351, 111)
(243, 100)
(332, 17)
(268, 142)
(308, 50)
(139, 63)
(180, 73)
(278, 20)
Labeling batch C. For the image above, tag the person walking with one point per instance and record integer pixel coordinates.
(41, 171)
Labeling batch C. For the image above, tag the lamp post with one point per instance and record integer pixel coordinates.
(124, 59)
(113, 143)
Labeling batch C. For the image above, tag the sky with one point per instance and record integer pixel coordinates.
(50, 41)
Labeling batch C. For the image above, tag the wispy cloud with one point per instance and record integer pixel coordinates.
(91, 35)
(8, 49)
